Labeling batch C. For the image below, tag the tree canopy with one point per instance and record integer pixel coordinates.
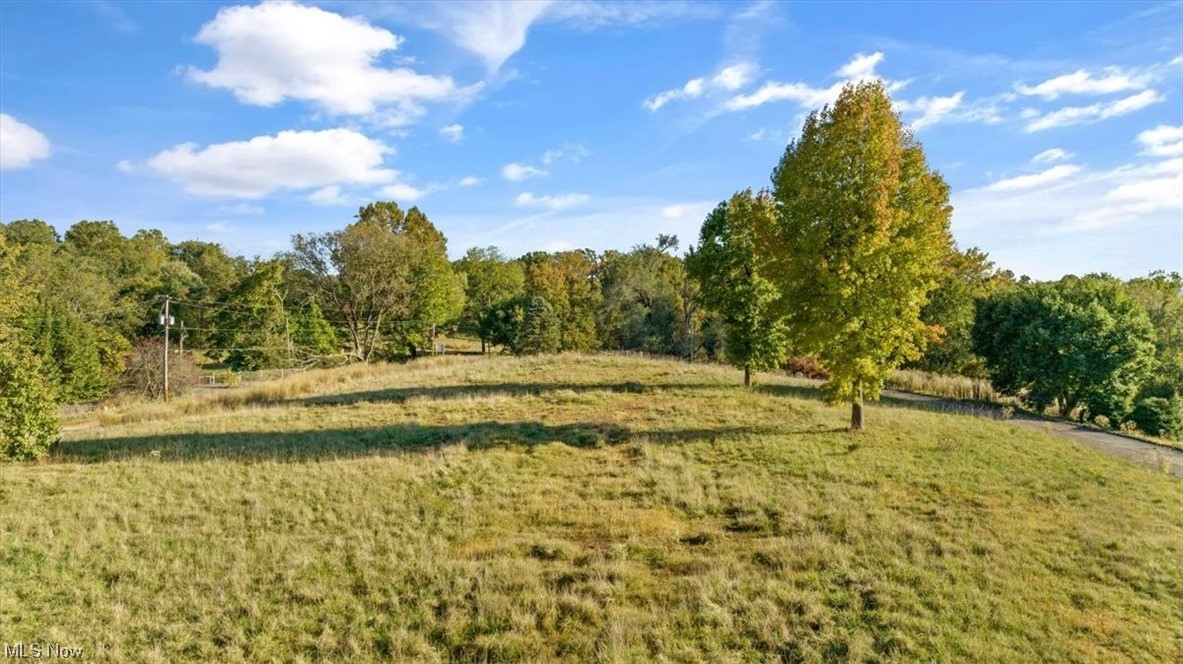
(864, 226)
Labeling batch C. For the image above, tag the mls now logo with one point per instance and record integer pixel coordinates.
(39, 650)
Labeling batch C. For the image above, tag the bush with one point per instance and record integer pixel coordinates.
(28, 414)
(807, 367)
(145, 370)
(1159, 417)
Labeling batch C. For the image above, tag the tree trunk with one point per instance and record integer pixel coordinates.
(483, 351)
(747, 377)
(856, 410)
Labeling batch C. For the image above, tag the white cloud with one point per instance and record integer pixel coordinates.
(734, 77)
(693, 88)
(330, 195)
(860, 68)
(20, 144)
(728, 79)
(275, 51)
(572, 152)
(245, 209)
(862, 65)
(1072, 115)
(453, 132)
(470, 181)
(1053, 174)
(220, 228)
(932, 109)
(515, 172)
(1150, 193)
(289, 160)
(1162, 141)
(1051, 156)
(1082, 82)
(492, 30)
(556, 202)
(687, 210)
(403, 192)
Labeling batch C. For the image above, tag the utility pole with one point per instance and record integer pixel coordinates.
(167, 321)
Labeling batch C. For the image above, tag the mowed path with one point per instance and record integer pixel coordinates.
(1161, 457)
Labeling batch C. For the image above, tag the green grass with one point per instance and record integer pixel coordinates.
(581, 508)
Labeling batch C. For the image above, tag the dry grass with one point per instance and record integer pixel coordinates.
(581, 508)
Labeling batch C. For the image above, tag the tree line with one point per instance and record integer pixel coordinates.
(846, 260)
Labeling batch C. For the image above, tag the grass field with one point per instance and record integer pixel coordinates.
(579, 508)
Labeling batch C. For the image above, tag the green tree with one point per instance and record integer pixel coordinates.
(490, 281)
(540, 329)
(28, 415)
(251, 326)
(968, 277)
(732, 273)
(313, 337)
(568, 282)
(1079, 343)
(1161, 295)
(24, 232)
(864, 224)
(649, 302)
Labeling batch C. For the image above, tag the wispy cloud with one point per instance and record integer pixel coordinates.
(1053, 174)
(1162, 141)
(1074, 115)
(453, 133)
(1051, 156)
(516, 172)
(554, 202)
(1082, 82)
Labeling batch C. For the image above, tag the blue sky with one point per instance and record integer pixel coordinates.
(538, 125)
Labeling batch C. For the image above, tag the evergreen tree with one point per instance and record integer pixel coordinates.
(541, 330)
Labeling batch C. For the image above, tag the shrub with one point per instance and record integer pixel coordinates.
(807, 367)
(145, 370)
(28, 414)
(1159, 417)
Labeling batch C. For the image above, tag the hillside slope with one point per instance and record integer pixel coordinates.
(582, 508)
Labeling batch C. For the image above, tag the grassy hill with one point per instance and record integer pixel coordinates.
(581, 508)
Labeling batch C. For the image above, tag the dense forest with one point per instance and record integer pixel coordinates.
(871, 282)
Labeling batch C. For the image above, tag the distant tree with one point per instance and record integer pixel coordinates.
(968, 276)
(1078, 343)
(490, 281)
(384, 278)
(313, 337)
(568, 282)
(649, 301)
(864, 224)
(68, 350)
(733, 276)
(251, 324)
(24, 232)
(1161, 295)
(540, 329)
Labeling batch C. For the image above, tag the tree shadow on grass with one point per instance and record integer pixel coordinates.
(470, 391)
(297, 446)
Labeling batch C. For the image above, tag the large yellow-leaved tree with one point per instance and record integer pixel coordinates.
(863, 227)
